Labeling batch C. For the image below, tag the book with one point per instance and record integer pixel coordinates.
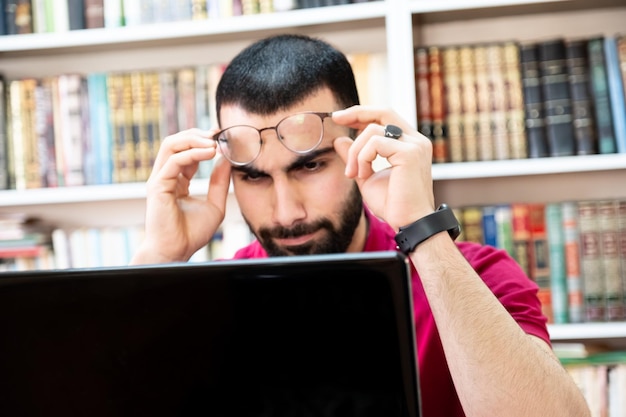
(24, 141)
(485, 143)
(490, 232)
(610, 259)
(582, 105)
(469, 115)
(186, 98)
(168, 102)
(471, 222)
(616, 92)
(100, 127)
(590, 261)
(498, 90)
(44, 129)
(18, 17)
(441, 148)
(514, 99)
(571, 246)
(113, 13)
(4, 162)
(120, 114)
(450, 139)
(600, 93)
(558, 274)
(557, 102)
(521, 235)
(60, 15)
(142, 148)
(71, 120)
(539, 257)
(76, 14)
(94, 14)
(422, 92)
(504, 228)
(533, 102)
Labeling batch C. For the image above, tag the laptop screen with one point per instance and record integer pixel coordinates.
(323, 335)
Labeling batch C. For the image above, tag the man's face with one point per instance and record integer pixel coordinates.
(297, 203)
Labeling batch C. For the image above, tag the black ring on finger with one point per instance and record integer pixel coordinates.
(393, 132)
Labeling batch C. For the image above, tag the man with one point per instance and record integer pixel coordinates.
(299, 152)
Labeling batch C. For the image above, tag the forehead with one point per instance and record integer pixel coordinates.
(322, 101)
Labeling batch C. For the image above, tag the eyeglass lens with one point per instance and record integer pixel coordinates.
(299, 133)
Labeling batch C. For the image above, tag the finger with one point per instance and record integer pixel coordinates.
(219, 184)
(358, 117)
(182, 141)
(184, 162)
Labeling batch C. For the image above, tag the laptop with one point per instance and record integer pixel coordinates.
(322, 335)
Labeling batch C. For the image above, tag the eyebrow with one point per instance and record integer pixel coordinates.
(299, 162)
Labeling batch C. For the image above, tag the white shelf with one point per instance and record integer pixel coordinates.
(531, 166)
(609, 334)
(184, 30)
(429, 6)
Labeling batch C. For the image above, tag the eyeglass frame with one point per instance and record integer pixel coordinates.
(321, 115)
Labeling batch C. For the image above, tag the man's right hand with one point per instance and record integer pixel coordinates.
(177, 224)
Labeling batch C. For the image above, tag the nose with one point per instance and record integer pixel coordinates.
(288, 203)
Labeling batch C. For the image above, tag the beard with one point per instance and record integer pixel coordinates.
(334, 240)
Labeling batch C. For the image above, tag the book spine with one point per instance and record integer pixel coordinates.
(490, 232)
(616, 92)
(498, 104)
(44, 126)
(422, 92)
(504, 228)
(72, 133)
(610, 258)
(4, 162)
(18, 17)
(571, 243)
(514, 101)
(186, 90)
(453, 109)
(121, 135)
(472, 218)
(557, 98)
(152, 115)
(521, 235)
(16, 146)
(539, 263)
(469, 114)
(100, 127)
(558, 275)
(590, 261)
(600, 91)
(94, 14)
(533, 102)
(441, 147)
(483, 105)
(582, 107)
(113, 15)
(76, 14)
(139, 129)
(168, 99)
(621, 237)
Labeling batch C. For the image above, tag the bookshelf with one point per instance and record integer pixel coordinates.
(390, 26)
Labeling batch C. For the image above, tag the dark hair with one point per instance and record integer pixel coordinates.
(277, 72)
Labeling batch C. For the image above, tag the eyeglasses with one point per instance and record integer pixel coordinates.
(300, 133)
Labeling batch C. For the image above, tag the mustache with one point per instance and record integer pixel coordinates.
(281, 232)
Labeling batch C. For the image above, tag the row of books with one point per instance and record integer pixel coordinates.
(513, 100)
(104, 128)
(99, 128)
(45, 16)
(574, 250)
(93, 247)
(601, 378)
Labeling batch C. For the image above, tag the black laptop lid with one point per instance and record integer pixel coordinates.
(327, 335)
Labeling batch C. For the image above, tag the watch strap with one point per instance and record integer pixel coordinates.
(408, 237)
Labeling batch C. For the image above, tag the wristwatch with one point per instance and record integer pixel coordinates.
(443, 219)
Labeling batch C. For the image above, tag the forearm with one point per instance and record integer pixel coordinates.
(498, 370)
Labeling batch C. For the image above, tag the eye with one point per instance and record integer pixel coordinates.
(313, 165)
(253, 176)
